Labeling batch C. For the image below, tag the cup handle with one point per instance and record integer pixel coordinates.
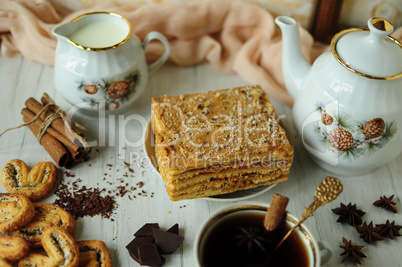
(325, 251)
(158, 36)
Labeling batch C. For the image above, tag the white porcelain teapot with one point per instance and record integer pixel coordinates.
(348, 104)
(100, 62)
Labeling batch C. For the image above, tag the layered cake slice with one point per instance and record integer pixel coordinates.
(218, 142)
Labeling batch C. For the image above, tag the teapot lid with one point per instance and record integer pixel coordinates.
(370, 52)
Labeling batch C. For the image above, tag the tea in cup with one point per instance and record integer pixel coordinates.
(235, 236)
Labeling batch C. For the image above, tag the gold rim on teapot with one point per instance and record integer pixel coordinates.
(387, 27)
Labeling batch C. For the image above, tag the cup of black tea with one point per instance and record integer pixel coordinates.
(235, 236)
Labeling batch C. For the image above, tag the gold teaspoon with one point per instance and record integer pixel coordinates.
(328, 190)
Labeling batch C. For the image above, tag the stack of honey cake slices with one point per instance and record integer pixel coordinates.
(218, 142)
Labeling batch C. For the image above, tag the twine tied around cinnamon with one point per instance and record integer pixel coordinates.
(58, 113)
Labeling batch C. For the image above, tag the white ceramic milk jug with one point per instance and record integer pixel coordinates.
(100, 62)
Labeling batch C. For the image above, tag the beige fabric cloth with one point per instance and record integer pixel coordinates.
(233, 36)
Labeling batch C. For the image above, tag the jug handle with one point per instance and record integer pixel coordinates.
(158, 36)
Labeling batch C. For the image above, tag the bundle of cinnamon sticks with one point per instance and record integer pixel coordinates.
(58, 140)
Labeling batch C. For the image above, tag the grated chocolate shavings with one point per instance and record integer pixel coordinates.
(85, 202)
(69, 174)
(81, 201)
(121, 191)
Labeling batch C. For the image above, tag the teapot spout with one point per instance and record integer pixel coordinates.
(295, 67)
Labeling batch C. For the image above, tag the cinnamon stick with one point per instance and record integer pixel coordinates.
(326, 18)
(55, 149)
(276, 211)
(75, 150)
(70, 163)
(78, 131)
(85, 156)
(58, 124)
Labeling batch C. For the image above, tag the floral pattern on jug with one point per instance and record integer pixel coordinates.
(350, 138)
(112, 91)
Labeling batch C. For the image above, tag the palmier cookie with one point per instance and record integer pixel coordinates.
(12, 248)
(60, 247)
(33, 184)
(4, 263)
(35, 260)
(94, 253)
(89, 259)
(15, 211)
(46, 215)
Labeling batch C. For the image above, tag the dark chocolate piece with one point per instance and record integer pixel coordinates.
(146, 230)
(167, 242)
(134, 256)
(174, 229)
(137, 242)
(149, 255)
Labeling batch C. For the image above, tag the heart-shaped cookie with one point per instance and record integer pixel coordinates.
(88, 259)
(46, 215)
(33, 184)
(4, 263)
(60, 247)
(16, 211)
(94, 253)
(12, 249)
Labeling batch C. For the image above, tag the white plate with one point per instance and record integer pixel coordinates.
(149, 148)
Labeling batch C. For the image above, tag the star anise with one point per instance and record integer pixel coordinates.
(369, 233)
(253, 237)
(389, 229)
(386, 203)
(349, 213)
(351, 251)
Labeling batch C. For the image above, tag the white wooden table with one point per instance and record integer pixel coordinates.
(21, 78)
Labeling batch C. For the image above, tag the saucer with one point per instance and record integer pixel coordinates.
(149, 149)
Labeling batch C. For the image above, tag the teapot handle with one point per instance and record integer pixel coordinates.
(158, 36)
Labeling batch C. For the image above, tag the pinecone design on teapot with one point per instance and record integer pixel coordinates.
(351, 138)
(347, 103)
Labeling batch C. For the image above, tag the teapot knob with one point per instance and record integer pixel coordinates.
(379, 29)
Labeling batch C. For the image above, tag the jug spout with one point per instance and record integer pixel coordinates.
(62, 31)
(294, 65)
